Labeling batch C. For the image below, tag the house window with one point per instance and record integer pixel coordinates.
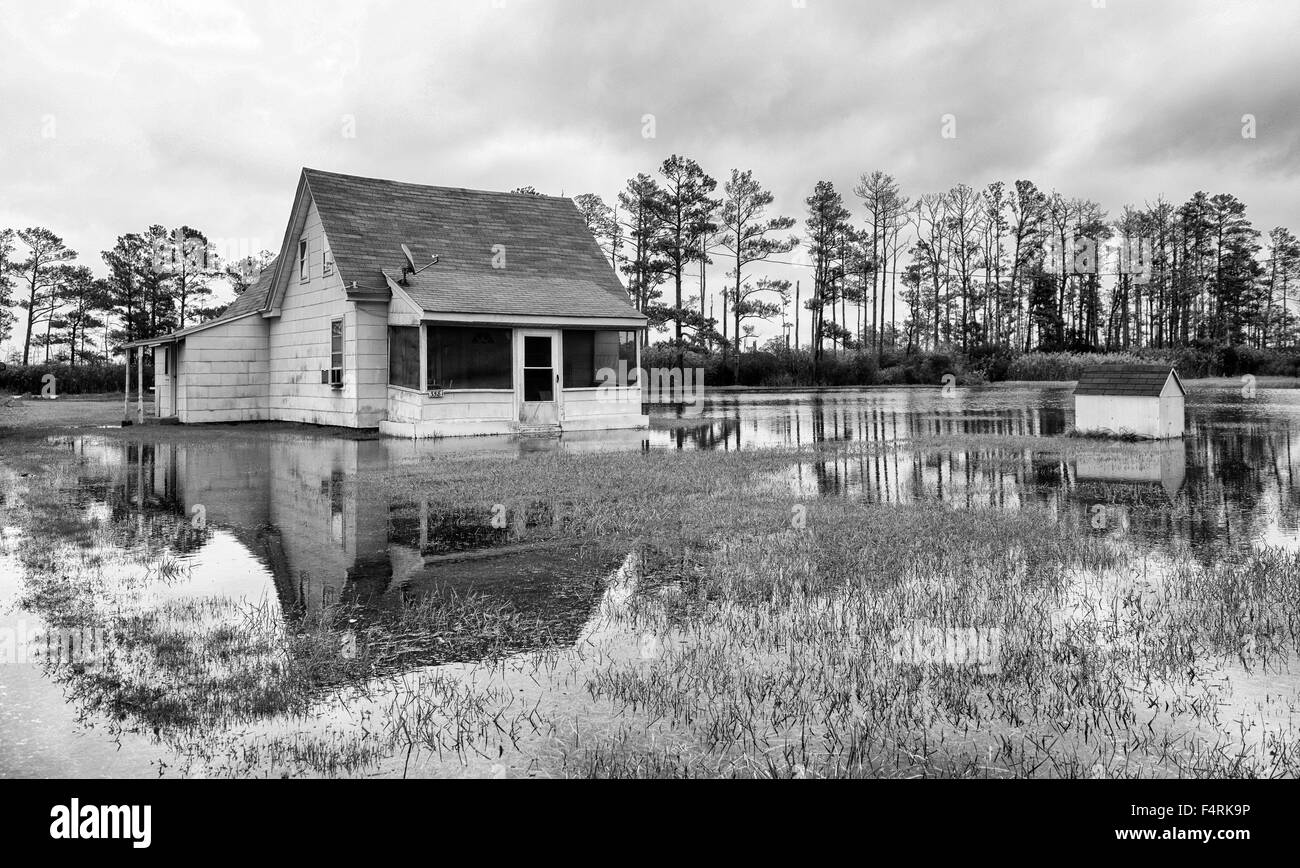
(404, 356)
(303, 271)
(587, 352)
(336, 352)
(469, 358)
(327, 260)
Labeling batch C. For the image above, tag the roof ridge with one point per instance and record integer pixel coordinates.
(531, 196)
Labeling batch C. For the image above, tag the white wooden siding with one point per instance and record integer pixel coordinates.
(223, 373)
(367, 338)
(1144, 416)
(595, 403)
(300, 343)
(470, 405)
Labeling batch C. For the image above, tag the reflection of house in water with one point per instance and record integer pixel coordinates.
(296, 504)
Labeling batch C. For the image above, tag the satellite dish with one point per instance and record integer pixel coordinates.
(410, 268)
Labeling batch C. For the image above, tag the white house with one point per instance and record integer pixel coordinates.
(420, 311)
(1146, 400)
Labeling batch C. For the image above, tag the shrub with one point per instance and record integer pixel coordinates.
(1250, 360)
(991, 362)
(777, 366)
(68, 379)
(856, 369)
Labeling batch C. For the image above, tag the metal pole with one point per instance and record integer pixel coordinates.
(796, 314)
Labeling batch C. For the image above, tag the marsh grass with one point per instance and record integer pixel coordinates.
(1123, 435)
(1100, 670)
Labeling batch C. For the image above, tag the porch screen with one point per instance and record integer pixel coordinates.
(586, 352)
(469, 358)
(404, 356)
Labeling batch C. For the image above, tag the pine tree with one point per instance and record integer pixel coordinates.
(827, 221)
(39, 273)
(746, 229)
(686, 210)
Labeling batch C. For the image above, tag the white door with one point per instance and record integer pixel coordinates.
(174, 373)
(539, 378)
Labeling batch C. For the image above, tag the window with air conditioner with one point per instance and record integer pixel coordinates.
(336, 353)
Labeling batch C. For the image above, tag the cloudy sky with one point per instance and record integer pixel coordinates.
(115, 116)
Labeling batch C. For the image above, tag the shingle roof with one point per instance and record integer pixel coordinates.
(552, 265)
(252, 299)
(491, 292)
(1116, 379)
(249, 301)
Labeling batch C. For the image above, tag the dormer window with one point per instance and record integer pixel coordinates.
(303, 274)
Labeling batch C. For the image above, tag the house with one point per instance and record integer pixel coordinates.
(1146, 400)
(421, 311)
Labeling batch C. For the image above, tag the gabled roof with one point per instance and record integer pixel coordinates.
(1133, 380)
(546, 261)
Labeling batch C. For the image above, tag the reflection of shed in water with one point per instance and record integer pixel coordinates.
(1163, 463)
(1130, 490)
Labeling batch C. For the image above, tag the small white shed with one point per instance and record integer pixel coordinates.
(1146, 400)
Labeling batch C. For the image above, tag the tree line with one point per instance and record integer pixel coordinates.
(1000, 269)
(158, 281)
(1005, 268)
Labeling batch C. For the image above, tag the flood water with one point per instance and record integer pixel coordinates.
(1228, 486)
(277, 524)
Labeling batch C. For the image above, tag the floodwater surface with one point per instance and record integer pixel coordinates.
(197, 564)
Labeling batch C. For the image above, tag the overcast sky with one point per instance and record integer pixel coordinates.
(115, 116)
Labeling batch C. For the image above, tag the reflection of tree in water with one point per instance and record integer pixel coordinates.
(1222, 507)
(1215, 493)
(713, 434)
(131, 507)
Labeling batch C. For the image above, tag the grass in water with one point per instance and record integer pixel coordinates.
(760, 635)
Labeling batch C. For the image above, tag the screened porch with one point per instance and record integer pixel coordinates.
(487, 376)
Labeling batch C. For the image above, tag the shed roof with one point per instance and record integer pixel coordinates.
(1118, 379)
(498, 253)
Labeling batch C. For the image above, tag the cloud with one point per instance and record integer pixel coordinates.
(175, 112)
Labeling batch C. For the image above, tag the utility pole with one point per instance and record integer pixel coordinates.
(796, 314)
